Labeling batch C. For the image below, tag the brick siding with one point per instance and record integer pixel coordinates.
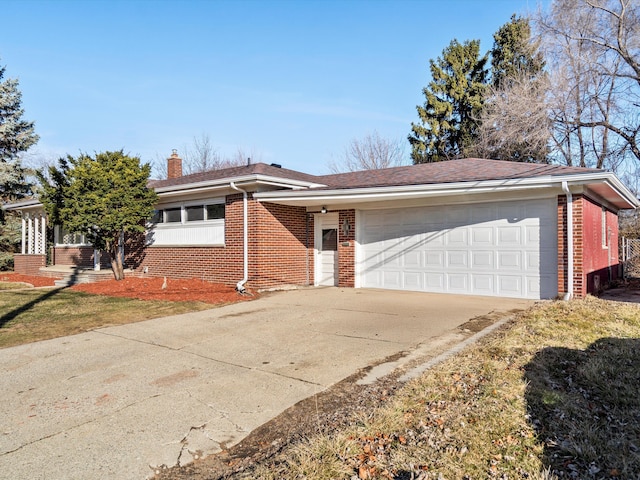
(29, 264)
(346, 249)
(81, 256)
(277, 249)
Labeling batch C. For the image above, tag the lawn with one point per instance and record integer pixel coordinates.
(38, 314)
(554, 394)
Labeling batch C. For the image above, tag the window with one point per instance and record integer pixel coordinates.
(189, 223)
(195, 214)
(215, 211)
(173, 215)
(190, 213)
(330, 239)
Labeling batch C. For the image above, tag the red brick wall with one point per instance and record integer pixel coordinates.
(79, 256)
(278, 252)
(28, 264)
(562, 245)
(346, 249)
(277, 249)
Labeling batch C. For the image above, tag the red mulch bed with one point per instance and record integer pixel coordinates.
(31, 279)
(177, 290)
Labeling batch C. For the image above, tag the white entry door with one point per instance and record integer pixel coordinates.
(326, 243)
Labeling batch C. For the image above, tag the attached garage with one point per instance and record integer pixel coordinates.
(506, 249)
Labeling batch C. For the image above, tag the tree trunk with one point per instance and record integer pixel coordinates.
(116, 260)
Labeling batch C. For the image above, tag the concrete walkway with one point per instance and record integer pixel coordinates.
(116, 402)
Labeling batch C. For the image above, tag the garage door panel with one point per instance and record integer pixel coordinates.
(434, 282)
(509, 236)
(532, 236)
(482, 260)
(483, 284)
(434, 259)
(457, 259)
(488, 249)
(392, 279)
(482, 236)
(509, 260)
(510, 285)
(458, 283)
(456, 237)
(413, 259)
(413, 281)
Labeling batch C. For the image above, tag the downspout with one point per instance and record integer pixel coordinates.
(569, 294)
(245, 260)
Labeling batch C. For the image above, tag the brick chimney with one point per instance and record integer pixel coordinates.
(174, 165)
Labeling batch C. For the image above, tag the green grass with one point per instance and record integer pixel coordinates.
(556, 394)
(40, 314)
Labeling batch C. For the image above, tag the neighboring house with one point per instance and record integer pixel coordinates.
(470, 226)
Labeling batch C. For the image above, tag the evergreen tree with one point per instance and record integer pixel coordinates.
(16, 136)
(454, 99)
(514, 53)
(103, 198)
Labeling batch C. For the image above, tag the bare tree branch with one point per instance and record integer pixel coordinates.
(369, 153)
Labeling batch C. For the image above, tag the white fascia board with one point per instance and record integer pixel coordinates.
(23, 205)
(241, 180)
(356, 195)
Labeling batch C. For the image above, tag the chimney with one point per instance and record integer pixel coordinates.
(174, 165)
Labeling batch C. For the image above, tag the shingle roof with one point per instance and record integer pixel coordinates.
(234, 172)
(463, 170)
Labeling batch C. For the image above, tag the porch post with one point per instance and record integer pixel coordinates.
(96, 259)
(36, 234)
(30, 235)
(24, 236)
(43, 235)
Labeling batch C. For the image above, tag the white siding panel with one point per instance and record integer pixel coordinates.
(210, 234)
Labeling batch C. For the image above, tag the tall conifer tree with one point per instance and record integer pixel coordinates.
(454, 98)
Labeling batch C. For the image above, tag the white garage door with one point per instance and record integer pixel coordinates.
(502, 249)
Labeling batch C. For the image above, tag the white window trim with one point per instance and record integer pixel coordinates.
(183, 213)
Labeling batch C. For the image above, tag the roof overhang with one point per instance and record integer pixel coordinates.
(31, 204)
(605, 184)
(251, 182)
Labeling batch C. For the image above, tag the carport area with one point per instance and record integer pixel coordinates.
(116, 402)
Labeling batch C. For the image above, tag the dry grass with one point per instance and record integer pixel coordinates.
(13, 285)
(39, 314)
(553, 395)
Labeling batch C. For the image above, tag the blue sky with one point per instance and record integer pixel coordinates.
(291, 82)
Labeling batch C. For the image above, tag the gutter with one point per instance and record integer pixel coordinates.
(569, 294)
(327, 195)
(245, 244)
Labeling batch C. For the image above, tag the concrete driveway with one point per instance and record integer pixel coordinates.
(116, 402)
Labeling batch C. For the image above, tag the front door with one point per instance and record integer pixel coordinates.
(326, 239)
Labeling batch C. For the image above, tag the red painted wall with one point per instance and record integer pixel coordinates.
(599, 263)
(593, 265)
